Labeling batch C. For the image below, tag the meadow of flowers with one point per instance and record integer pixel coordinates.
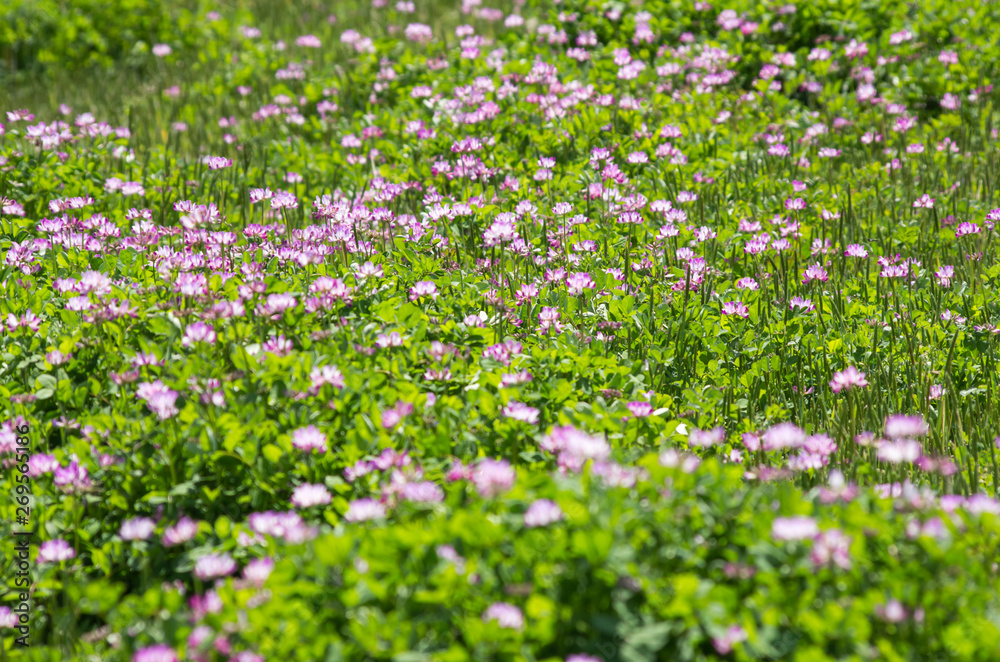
(572, 331)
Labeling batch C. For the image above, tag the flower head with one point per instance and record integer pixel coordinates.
(492, 477)
(848, 378)
(307, 495)
(908, 427)
(640, 409)
(137, 528)
(506, 615)
(54, 551)
(577, 282)
(832, 547)
(155, 653)
(309, 438)
(257, 571)
(185, 529)
(707, 438)
(363, 510)
(423, 288)
(793, 528)
(217, 162)
(542, 513)
(783, 435)
(724, 645)
(737, 308)
(211, 566)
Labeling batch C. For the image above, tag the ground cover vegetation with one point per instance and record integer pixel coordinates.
(563, 331)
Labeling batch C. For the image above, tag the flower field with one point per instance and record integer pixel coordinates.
(563, 331)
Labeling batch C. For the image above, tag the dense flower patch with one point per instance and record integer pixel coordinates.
(556, 331)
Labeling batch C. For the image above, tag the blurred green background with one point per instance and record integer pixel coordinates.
(85, 52)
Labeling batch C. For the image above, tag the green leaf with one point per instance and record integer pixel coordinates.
(272, 453)
(222, 527)
(643, 644)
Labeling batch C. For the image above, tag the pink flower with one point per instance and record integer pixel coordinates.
(837, 489)
(393, 417)
(856, 250)
(506, 615)
(137, 528)
(856, 49)
(944, 275)
(94, 282)
(948, 57)
(418, 32)
(783, 435)
(185, 529)
(802, 304)
(423, 288)
(8, 619)
(199, 332)
(310, 439)
(687, 462)
(324, 375)
(421, 492)
(908, 427)
(307, 495)
(308, 41)
(217, 162)
(156, 653)
(284, 200)
(966, 228)
(508, 380)
(160, 399)
(492, 477)
(575, 447)
(640, 409)
(54, 551)
(258, 194)
(278, 345)
(577, 282)
(707, 438)
(542, 513)
(211, 566)
(55, 357)
(832, 547)
(363, 510)
(893, 611)
(458, 471)
(520, 412)
(814, 272)
(257, 571)
(849, 378)
(901, 451)
(724, 645)
(737, 308)
(793, 528)
(368, 270)
(72, 478)
(246, 656)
